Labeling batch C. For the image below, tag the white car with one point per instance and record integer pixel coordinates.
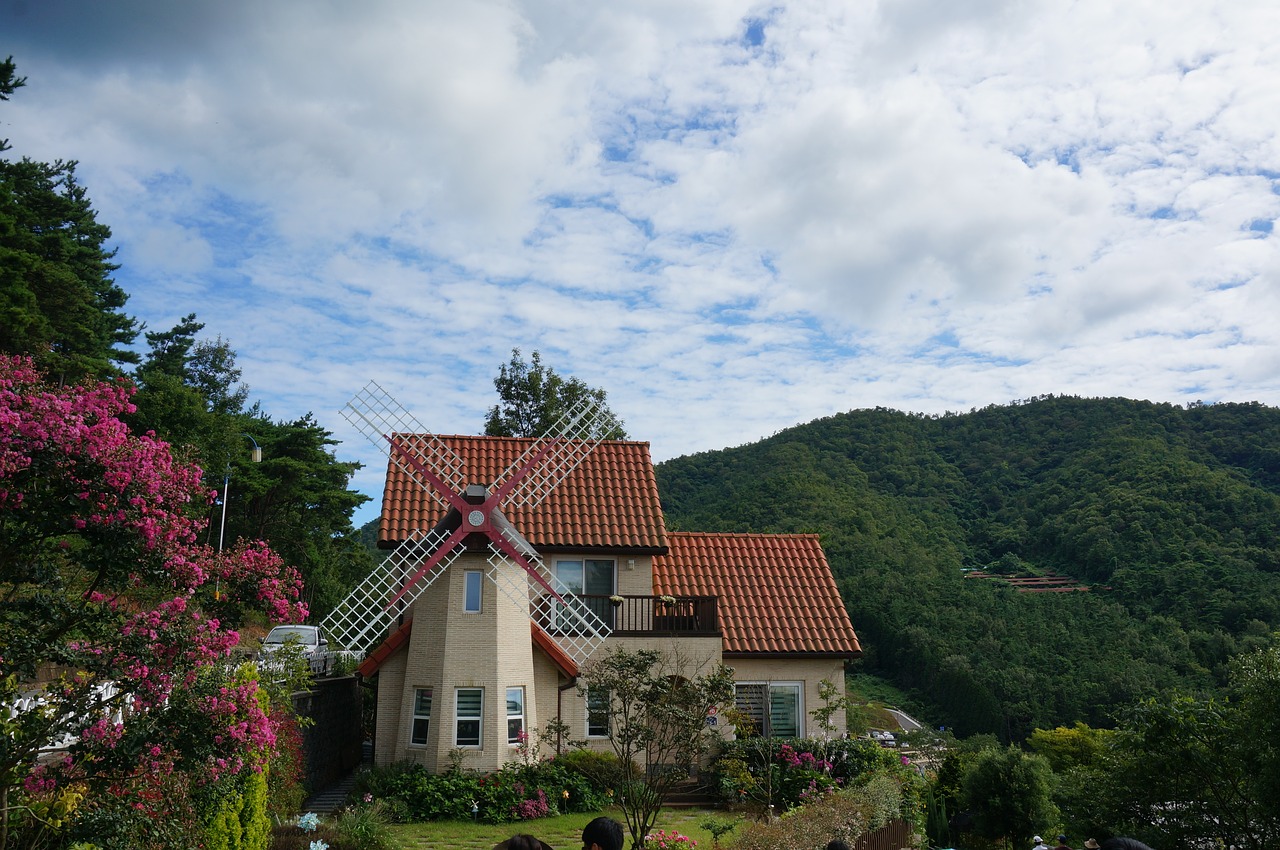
(309, 639)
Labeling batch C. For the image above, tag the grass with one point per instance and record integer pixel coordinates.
(560, 832)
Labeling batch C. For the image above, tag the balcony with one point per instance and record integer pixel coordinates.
(653, 616)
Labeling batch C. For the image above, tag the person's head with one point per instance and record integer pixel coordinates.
(522, 842)
(837, 844)
(1062, 839)
(1036, 839)
(602, 834)
(1091, 844)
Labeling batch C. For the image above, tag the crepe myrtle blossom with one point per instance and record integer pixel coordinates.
(102, 574)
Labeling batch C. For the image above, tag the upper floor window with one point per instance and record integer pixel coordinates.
(592, 577)
(473, 582)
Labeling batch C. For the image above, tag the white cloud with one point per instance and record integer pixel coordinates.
(733, 216)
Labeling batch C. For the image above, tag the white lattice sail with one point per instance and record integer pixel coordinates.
(373, 608)
(380, 418)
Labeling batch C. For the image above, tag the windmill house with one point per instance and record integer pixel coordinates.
(493, 636)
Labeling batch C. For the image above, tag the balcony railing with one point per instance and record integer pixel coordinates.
(637, 616)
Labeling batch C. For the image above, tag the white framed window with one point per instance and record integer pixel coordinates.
(421, 716)
(590, 577)
(776, 709)
(515, 714)
(597, 713)
(468, 714)
(473, 583)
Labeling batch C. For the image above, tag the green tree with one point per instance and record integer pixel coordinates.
(657, 711)
(533, 399)
(1198, 770)
(9, 83)
(1066, 748)
(1009, 793)
(58, 302)
(298, 499)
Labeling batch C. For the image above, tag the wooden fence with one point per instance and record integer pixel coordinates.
(894, 835)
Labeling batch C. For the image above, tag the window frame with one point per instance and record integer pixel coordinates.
(598, 694)
(470, 577)
(459, 718)
(416, 716)
(581, 563)
(519, 716)
(766, 705)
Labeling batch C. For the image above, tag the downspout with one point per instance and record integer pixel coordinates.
(573, 680)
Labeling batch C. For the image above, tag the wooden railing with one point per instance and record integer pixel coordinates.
(655, 615)
(895, 835)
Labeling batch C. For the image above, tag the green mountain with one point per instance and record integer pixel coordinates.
(1169, 516)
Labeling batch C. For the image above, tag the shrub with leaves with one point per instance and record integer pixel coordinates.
(759, 772)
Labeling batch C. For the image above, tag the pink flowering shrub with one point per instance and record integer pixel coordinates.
(108, 593)
(532, 807)
(663, 840)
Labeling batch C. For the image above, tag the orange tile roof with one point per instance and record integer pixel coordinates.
(386, 649)
(609, 501)
(777, 593)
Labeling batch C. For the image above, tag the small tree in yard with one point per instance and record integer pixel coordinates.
(126, 718)
(1009, 793)
(657, 709)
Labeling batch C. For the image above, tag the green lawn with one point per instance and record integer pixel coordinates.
(562, 833)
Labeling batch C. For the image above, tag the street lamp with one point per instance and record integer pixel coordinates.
(226, 485)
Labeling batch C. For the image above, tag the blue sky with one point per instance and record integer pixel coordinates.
(732, 216)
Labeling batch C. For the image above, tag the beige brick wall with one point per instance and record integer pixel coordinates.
(635, 575)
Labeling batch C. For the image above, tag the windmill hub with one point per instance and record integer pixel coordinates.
(475, 495)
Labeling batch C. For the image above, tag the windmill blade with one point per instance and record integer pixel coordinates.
(568, 620)
(362, 620)
(551, 458)
(419, 453)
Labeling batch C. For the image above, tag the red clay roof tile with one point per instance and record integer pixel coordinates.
(777, 593)
(609, 501)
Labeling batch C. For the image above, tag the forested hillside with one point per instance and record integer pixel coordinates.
(1168, 514)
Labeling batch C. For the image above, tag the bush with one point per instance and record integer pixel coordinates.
(517, 792)
(847, 814)
(364, 826)
(787, 773)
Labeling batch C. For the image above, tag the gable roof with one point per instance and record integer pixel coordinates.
(609, 502)
(777, 593)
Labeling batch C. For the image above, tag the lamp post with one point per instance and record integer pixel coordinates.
(226, 485)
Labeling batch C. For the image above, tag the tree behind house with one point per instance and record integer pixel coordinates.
(533, 398)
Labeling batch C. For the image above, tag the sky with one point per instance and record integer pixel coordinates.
(733, 217)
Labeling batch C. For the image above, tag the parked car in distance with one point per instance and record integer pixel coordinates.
(310, 640)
